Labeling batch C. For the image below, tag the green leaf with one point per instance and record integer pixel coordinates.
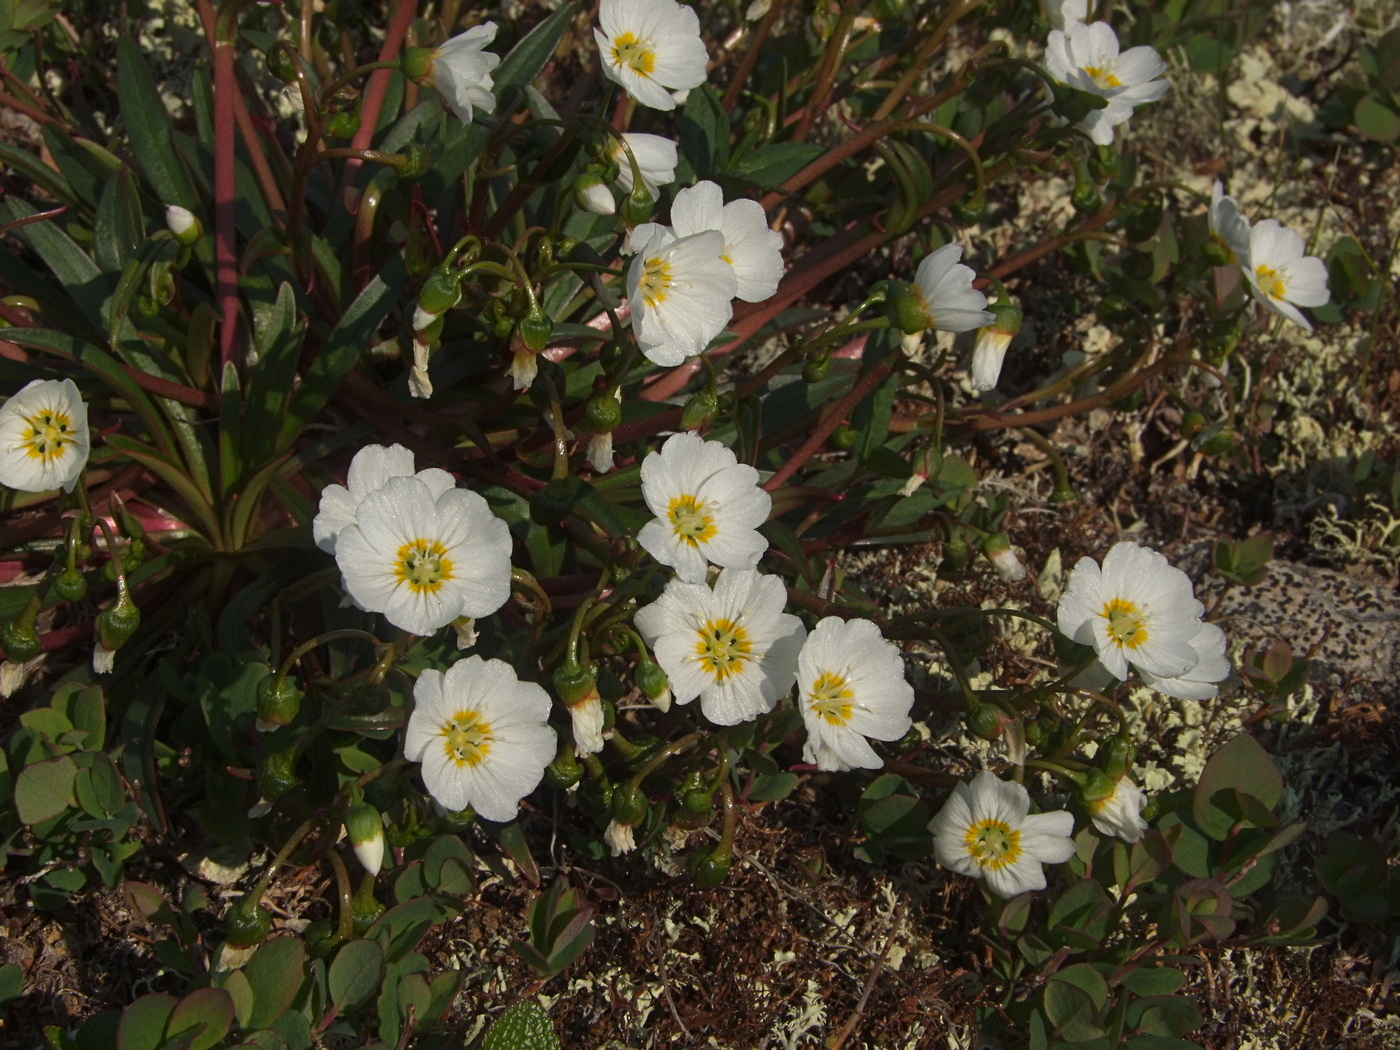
(771, 787)
(81, 279)
(202, 1018)
(771, 166)
(1073, 1009)
(11, 982)
(704, 132)
(44, 790)
(1160, 1042)
(524, 1026)
(142, 1026)
(235, 982)
(1153, 980)
(1242, 764)
(1164, 1015)
(1376, 120)
(355, 974)
(149, 127)
(529, 56)
(275, 975)
(119, 226)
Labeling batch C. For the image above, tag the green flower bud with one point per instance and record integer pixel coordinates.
(1097, 786)
(710, 867)
(595, 797)
(365, 830)
(815, 368)
(1193, 421)
(71, 585)
(565, 771)
(440, 293)
(987, 721)
(1116, 755)
(343, 125)
(20, 640)
(629, 804)
(279, 700)
(247, 923)
(185, 228)
(575, 684)
(653, 682)
(535, 329)
(281, 64)
(277, 775)
(699, 410)
(603, 414)
(638, 205)
(119, 622)
(417, 62)
(1223, 441)
(956, 553)
(843, 437)
(322, 938)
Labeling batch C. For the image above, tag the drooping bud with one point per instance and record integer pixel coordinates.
(117, 623)
(653, 683)
(956, 553)
(1096, 787)
(535, 329)
(577, 686)
(1116, 755)
(987, 721)
(441, 291)
(276, 776)
(278, 700)
(815, 368)
(928, 462)
(604, 412)
(281, 64)
(365, 830)
(183, 225)
(638, 205)
(592, 195)
(699, 410)
(248, 922)
(992, 341)
(711, 867)
(998, 550)
(565, 771)
(20, 639)
(342, 125)
(416, 158)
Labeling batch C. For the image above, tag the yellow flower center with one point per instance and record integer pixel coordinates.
(1127, 625)
(992, 844)
(423, 565)
(690, 520)
(830, 697)
(466, 738)
(49, 433)
(1270, 281)
(627, 50)
(656, 281)
(723, 648)
(1103, 76)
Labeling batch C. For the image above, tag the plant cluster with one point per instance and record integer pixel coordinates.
(500, 435)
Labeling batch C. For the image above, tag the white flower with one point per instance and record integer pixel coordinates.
(1228, 225)
(1136, 609)
(182, 223)
(708, 507)
(1085, 56)
(104, 660)
(419, 383)
(43, 437)
(943, 287)
(750, 247)
(850, 685)
(656, 157)
(648, 46)
(423, 559)
(986, 831)
(619, 838)
(587, 719)
(1280, 275)
(370, 470)
(461, 71)
(1121, 812)
(987, 357)
(593, 196)
(733, 647)
(482, 736)
(1198, 682)
(1064, 13)
(680, 291)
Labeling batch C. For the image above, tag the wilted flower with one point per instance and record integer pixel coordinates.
(656, 158)
(649, 46)
(1135, 609)
(482, 736)
(992, 342)
(424, 560)
(1085, 56)
(1228, 226)
(460, 70)
(750, 247)
(943, 289)
(733, 647)
(371, 468)
(1119, 813)
(850, 685)
(986, 831)
(43, 437)
(708, 507)
(1281, 276)
(680, 290)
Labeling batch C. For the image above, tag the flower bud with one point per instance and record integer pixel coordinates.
(416, 158)
(1097, 786)
(992, 342)
(906, 308)
(535, 329)
(927, 463)
(277, 775)
(417, 63)
(968, 210)
(629, 804)
(20, 640)
(247, 923)
(998, 550)
(699, 410)
(987, 721)
(604, 412)
(654, 684)
(565, 771)
(440, 293)
(281, 64)
(592, 195)
(815, 368)
(843, 437)
(70, 584)
(343, 124)
(183, 225)
(638, 205)
(278, 700)
(956, 553)
(119, 622)
(322, 938)
(711, 867)
(365, 829)
(1216, 252)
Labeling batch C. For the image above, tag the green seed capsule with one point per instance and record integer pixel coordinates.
(603, 414)
(71, 585)
(710, 868)
(21, 641)
(277, 775)
(248, 922)
(278, 700)
(629, 805)
(699, 410)
(343, 125)
(986, 721)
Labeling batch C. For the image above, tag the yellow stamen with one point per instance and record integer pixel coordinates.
(627, 50)
(723, 648)
(655, 284)
(49, 433)
(423, 565)
(992, 844)
(1270, 282)
(1127, 625)
(466, 738)
(830, 697)
(690, 520)
(1104, 78)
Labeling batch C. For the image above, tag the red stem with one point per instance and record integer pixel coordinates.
(225, 198)
(378, 86)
